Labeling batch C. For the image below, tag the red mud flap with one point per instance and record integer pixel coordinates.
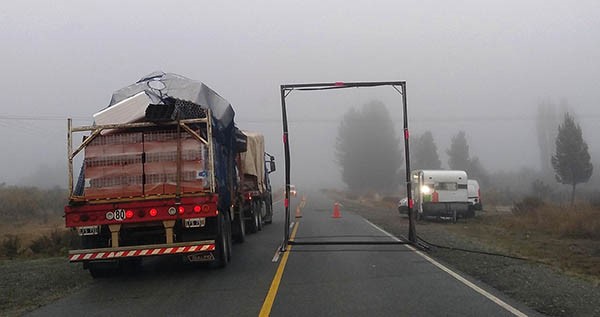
(196, 247)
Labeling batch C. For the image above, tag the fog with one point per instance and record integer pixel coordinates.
(481, 67)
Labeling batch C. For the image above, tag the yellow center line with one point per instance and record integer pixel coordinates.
(270, 299)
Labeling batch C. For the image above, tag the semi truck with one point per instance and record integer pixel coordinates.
(159, 176)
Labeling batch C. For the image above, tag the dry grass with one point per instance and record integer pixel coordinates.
(568, 239)
(576, 223)
(35, 237)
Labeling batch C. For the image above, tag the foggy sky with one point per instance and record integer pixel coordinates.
(481, 67)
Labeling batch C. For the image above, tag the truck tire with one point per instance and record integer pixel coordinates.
(260, 214)
(223, 242)
(240, 228)
(103, 270)
(269, 207)
(254, 218)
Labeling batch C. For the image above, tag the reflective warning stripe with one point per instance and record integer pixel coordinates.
(141, 252)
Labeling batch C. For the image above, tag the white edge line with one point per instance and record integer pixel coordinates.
(276, 256)
(457, 276)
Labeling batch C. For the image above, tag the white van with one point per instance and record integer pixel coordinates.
(440, 194)
(474, 196)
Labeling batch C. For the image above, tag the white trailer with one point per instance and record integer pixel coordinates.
(440, 194)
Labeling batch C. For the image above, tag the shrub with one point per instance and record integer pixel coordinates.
(10, 247)
(527, 205)
(57, 242)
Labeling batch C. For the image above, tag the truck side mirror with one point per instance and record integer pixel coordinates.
(271, 166)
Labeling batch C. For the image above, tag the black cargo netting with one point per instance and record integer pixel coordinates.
(174, 109)
(189, 110)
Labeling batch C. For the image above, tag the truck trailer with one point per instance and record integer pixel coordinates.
(159, 177)
(255, 166)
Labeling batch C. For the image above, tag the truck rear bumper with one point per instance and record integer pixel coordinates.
(141, 251)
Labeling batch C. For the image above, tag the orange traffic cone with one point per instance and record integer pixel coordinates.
(336, 210)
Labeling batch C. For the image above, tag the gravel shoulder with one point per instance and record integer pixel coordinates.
(545, 285)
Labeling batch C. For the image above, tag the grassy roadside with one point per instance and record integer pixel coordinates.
(34, 269)
(501, 231)
(26, 284)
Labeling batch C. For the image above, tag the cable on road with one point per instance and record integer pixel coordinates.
(296, 250)
(478, 251)
(342, 236)
(346, 242)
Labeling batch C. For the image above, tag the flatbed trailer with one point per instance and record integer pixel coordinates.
(186, 219)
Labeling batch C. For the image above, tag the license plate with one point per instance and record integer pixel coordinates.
(88, 230)
(194, 222)
(201, 257)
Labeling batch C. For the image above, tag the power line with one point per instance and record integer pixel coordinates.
(9, 117)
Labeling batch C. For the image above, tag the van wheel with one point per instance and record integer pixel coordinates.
(471, 212)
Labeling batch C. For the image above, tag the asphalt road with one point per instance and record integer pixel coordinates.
(316, 280)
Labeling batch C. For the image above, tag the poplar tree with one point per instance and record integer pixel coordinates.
(368, 149)
(424, 153)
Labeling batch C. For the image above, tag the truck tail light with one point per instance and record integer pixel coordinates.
(181, 210)
(197, 209)
(206, 208)
(153, 212)
(129, 214)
